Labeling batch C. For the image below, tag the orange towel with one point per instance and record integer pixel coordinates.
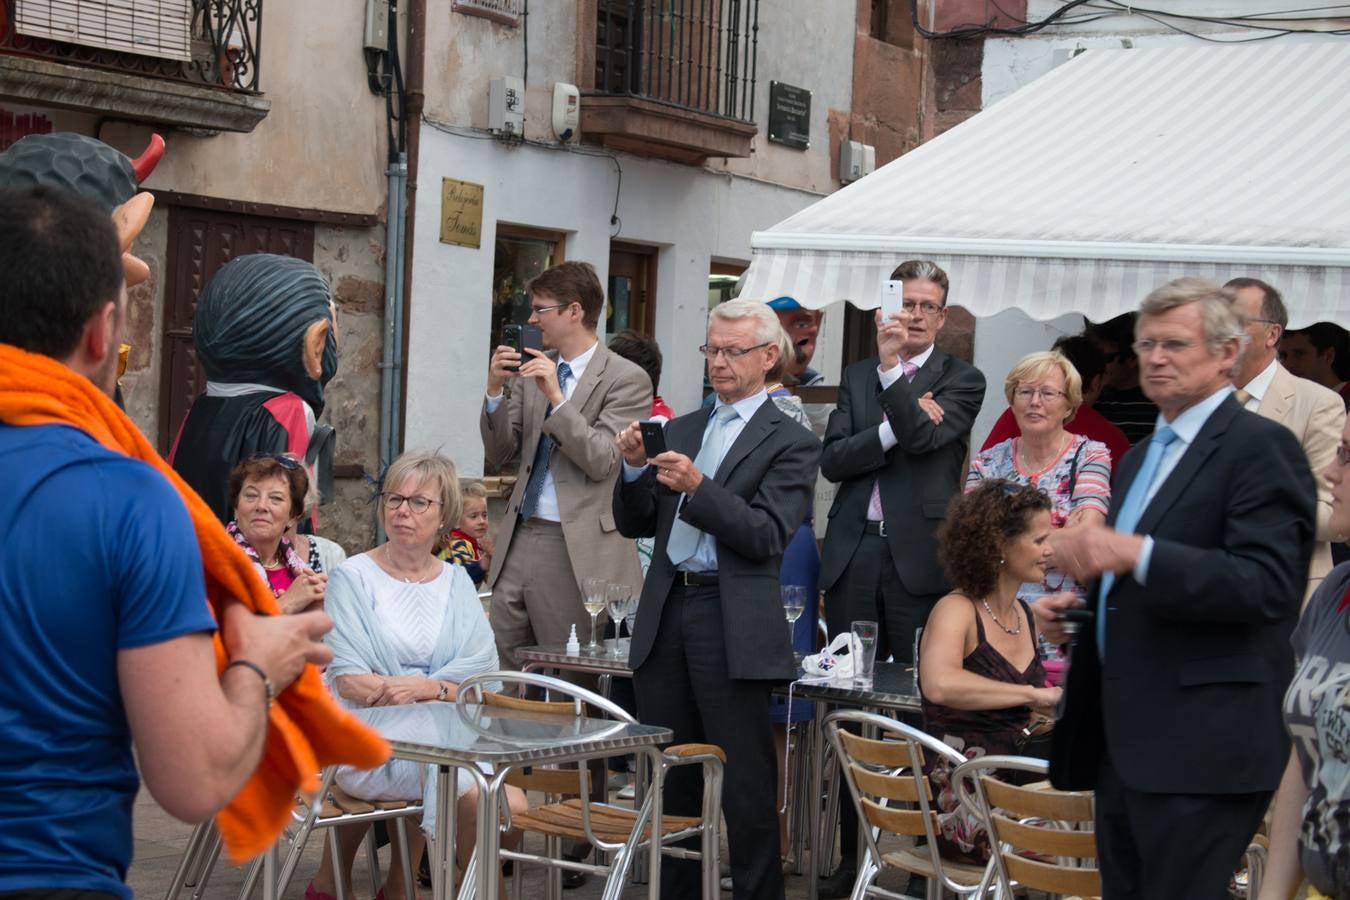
(307, 730)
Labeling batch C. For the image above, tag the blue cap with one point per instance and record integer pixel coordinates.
(784, 304)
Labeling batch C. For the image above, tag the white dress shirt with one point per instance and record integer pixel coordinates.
(1258, 386)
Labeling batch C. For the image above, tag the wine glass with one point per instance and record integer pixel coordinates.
(593, 598)
(619, 597)
(794, 604)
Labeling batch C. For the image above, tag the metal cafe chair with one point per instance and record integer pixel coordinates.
(893, 796)
(568, 814)
(1042, 837)
(333, 807)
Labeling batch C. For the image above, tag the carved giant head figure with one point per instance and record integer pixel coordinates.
(95, 171)
(267, 319)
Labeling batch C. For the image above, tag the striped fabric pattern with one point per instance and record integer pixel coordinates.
(1115, 172)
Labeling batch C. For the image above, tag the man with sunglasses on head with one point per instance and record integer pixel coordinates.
(896, 446)
(555, 421)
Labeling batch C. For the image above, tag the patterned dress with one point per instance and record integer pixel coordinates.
(984, 732)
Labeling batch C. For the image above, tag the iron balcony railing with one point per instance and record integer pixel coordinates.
(694, 54)
(224, 47)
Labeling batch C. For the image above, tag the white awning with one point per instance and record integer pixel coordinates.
(1112, 174)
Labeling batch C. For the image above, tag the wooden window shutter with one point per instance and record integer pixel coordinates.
(159, 28)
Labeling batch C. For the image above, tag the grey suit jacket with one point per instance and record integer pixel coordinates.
(1316, 416)
(918, 476)
(752, 506)
(611, 394)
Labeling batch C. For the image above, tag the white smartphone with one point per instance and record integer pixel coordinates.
(892, 298)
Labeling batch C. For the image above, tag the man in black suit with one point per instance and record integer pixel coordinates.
(710, 638)
(1172, 707)
(896, 445)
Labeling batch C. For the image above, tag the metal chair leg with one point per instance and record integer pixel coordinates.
(372, 861)
(251, 876)
(208, 865)
(192, 860)
(339, 876)
(405, 856)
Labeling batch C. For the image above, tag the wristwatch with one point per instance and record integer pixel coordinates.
(444, 693)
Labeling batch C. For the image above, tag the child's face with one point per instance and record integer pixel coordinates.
(474, 521)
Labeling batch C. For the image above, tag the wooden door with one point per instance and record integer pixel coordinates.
(200, 242)
(631, 291)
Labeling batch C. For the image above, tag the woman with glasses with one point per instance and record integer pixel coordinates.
(1044, 392)
(267, 495)
(981, 679)
(407, 628)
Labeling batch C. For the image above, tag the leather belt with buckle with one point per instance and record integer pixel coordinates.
(870, 527)
(696, 579)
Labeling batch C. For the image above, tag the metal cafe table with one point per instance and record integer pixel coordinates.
(450, 737)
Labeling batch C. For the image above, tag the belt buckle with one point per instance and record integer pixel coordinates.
(881, 528)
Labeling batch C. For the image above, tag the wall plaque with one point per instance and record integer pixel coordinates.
(461, 213)
(789, 115)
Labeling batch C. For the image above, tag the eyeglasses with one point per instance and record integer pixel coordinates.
(1343, 455)
(285, 460)
(536, 310)
(928, 309)
(418, 505)
(1047, 395)
(711, 352)
(1171, 347)
(1262, 321)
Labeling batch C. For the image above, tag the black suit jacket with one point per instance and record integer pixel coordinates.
(752, 506)
(918, 476)
(1188, 697)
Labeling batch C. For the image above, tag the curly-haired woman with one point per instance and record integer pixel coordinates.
(980, 674)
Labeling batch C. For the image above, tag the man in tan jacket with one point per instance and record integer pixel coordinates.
(1314, 414)
(556, 418)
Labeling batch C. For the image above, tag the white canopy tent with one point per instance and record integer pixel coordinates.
(1116, 172)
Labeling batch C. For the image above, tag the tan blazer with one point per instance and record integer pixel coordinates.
(1315, 415)
(611, 394)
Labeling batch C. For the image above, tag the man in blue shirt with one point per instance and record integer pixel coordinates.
(104, 627)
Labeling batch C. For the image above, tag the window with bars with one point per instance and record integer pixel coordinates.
(159, 28)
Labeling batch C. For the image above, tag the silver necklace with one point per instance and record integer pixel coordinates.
(397, 574)
(1006, 629)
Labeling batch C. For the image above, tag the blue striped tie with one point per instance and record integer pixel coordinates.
(1130, 511)
(684, 538)
(543, 455)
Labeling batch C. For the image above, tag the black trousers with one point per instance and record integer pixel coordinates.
(55, 894)
(870, 590)
(1164, 846)
(684, 685)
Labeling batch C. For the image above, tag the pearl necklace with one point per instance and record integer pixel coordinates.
(1006, 629)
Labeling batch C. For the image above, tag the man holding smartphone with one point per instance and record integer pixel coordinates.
(554, 414)
(896, 446)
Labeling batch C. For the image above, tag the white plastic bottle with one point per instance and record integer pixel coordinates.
(573, 645)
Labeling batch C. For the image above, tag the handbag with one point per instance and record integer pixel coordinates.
(835, 662)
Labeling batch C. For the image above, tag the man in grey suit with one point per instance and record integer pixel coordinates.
(557, 418)
(1315, 414)
(710, 638)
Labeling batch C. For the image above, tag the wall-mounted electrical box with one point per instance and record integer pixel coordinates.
(566, 110)
(377, 25)
(506, 105)
(856, 159)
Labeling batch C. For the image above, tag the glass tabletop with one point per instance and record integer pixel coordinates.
(892, 688)
(599, 661)
(444, 733)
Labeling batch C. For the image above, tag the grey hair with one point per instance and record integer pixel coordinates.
(769, 330)
(923, 270)
(427, 467)
(1219, 318)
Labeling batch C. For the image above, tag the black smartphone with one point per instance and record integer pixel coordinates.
(1077, 616)
(522, 337)
(653, 438)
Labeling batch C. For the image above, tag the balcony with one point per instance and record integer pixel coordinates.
(185, 63)
(674, 79)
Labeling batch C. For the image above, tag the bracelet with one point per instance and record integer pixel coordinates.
(268, 689)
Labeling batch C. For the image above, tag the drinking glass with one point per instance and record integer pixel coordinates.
(866, 633)
(593, 598)
(794, 604)
(618, 597)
